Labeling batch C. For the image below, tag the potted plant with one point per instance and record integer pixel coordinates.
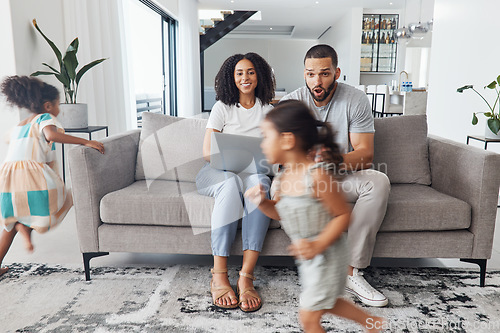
(73, 114)
(493, 118)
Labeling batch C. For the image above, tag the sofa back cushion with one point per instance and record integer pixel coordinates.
(401, 149)
(170, 148)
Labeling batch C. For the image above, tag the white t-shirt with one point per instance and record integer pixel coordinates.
(235, 119)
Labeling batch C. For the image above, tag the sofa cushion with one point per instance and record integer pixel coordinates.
(401, 149)
(170, 148)
(160, 202)
(414, 207)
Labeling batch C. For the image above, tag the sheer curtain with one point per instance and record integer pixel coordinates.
(100, 27)
(9, 116)
(107, 88)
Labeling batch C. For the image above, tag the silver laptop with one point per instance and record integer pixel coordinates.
(239, 154)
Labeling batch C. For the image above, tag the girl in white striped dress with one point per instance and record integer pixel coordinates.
(32, 194)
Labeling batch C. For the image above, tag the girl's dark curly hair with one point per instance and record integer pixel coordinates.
(296, 117)
(225, 87)
(28, 92)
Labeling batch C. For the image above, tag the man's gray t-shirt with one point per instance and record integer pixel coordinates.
(350, 112)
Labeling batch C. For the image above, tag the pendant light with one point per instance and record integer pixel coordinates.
(404, 32)
(418, 30)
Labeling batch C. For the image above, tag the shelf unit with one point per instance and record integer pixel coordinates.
(378, 43)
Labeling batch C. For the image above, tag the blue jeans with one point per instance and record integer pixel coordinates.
(230, 206)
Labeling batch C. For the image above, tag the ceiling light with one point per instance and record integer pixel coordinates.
(418, 30)
(390, 3)
(270, 28)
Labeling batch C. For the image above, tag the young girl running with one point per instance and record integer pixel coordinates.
(312, 212)
(32, 195)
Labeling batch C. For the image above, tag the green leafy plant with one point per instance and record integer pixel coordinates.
(68, 63)
(494, 118)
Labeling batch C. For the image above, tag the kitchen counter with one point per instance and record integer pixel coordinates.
(414, 102)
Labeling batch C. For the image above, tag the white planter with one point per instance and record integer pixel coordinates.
(73, 116)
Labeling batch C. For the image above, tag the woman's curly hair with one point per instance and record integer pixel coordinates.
(225, 87)
(28, 92)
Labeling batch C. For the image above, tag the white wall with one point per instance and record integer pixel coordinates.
(285, 56)
(464, 51)
(9, 117)
(171, 7)
(29, 46)
(345, 37)
(188, 60)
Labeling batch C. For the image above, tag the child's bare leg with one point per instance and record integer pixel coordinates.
(346, 309)
(311, 321)
(6, 239)
(26, 233)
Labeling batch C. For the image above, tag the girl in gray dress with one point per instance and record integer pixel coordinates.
(312, 212)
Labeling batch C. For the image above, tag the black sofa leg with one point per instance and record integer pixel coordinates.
(86, 261)
(482, 267)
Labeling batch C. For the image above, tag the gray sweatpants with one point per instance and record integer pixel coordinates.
(369, 191)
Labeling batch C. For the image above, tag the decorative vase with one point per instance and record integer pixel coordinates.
(489, 134)
(73, 116)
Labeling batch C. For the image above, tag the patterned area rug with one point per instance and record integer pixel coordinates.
(41, 298)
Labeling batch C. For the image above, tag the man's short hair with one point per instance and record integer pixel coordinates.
(322, 51)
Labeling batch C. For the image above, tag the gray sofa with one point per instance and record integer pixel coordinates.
(140, 196)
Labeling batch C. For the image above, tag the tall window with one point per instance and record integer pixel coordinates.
(152, 56)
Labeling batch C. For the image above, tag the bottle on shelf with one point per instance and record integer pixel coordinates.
(409, 87)
(378, 29)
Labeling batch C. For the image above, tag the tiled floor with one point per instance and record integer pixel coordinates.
(60, 246)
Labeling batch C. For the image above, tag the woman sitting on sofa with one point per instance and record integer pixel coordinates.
(244, 88)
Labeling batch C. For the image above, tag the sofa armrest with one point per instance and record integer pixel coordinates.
(472, 175)
(93, 175)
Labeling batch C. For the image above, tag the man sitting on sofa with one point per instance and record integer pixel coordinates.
(348, 111)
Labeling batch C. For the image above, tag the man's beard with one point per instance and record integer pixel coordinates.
(327, 91)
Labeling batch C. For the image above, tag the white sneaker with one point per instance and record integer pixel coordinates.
(357, 285)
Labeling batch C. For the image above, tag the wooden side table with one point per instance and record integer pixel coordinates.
(89, 130)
